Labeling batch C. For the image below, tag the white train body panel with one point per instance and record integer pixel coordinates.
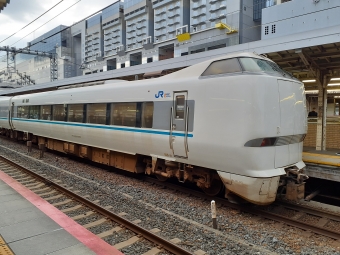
(228, 111)
(4, 108)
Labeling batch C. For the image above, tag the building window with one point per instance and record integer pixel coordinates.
(266, 30)
(273, 29)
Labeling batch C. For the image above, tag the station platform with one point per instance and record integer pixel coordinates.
(30, 225)
(322, 164)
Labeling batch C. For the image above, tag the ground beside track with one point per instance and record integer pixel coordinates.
(238, 233)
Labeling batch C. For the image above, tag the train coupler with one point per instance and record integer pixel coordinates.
(295, 191)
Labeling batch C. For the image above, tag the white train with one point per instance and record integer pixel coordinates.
(237, 122)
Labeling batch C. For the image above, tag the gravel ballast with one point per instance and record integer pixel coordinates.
(177, 215)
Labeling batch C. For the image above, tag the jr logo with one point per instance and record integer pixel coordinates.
(160, 94)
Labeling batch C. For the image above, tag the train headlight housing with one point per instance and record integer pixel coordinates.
(275, 141)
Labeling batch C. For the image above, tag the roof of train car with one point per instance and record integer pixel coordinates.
(186, 72)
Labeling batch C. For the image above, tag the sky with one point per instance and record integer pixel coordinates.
(19, 13)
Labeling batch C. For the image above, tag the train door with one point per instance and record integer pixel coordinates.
(179, 125)
(11, 114)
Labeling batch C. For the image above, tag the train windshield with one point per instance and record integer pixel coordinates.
(260, 65)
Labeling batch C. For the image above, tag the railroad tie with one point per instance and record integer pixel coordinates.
(71, 208)
(176, 240)
(94, 223)
(128, 242)
(137, 221)
(62, 202)
(109, 232)
(153, 251)
(33, 185)
(48, 193)
(200, 252)
(54, 197)
(298, 215)
(26, 178)
(39, 186)
(322, 222)
(77, 217)
(336, 243)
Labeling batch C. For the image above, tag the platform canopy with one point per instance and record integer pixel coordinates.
(311, 64)
(3, 4)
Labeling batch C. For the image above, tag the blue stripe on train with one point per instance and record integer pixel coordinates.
(136, 130)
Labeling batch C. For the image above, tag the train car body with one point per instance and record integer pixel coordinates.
(224, 121)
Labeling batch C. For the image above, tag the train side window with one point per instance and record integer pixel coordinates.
(3, 111)
(222, 67)
(147, 115)
(46, 112)
(22, 112)
(96, 113)
(75, 113)
(59, 112)
(124, 114)
(180, 104)
(34, 112)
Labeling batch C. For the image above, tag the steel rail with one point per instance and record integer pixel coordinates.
(251, 209)
(161, 242)
(306, 209)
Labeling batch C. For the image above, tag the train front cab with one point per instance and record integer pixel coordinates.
(287, 145)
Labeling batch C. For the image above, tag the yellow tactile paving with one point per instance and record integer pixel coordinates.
(322, 159)
(4, 249)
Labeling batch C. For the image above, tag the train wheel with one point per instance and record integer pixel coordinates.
(215, 188)
(161, 178)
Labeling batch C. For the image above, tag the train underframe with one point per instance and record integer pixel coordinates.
(210, 181)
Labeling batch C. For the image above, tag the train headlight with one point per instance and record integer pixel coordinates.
(268, 142)
(275, 141)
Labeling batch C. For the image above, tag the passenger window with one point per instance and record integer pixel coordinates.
(124, 114)
(3, 111)
(34, 112)
(180, 104)
(46, 112)
(223, 66)
(96, 113)
(59, 112)
(75, 113)
(147, 115)
(23, 112)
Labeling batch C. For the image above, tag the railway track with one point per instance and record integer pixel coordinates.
(312, 220)
(309, 219)
(80, 208)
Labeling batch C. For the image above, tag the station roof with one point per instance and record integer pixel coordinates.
(3, 4)
(308, 63)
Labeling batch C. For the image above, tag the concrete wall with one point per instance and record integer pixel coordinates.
(299, 16)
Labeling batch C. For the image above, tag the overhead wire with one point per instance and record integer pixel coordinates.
(60, 30)
(32, 21)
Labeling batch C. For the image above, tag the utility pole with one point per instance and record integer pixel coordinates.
(11, 65)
